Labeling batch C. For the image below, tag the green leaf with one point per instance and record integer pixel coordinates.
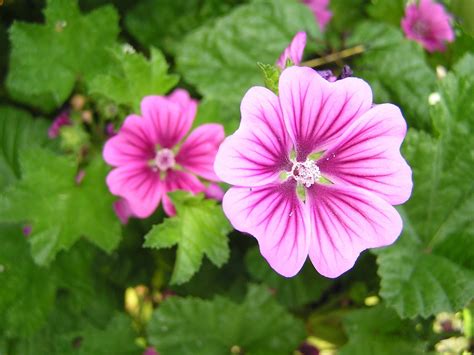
(221, 59)
(27, 292)
(431, 268)
(379, 330)
(17, 131)
(259, 325)
(396, 69)
(304, 288)
(163, 23)
(387, 11)
(199, 228)
(134, 77)
(46, 60)
(59, 210)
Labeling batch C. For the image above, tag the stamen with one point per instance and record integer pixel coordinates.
(164, 159)
(306, 173)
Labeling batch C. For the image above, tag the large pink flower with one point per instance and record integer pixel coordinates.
(148, 159)
(316, 171)
(428, 24)
(320, 11)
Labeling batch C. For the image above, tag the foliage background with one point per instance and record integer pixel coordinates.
(81, 283)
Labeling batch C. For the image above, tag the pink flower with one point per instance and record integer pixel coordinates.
(151, 351)
(294, 51)
(214, 191)
(428, 24)
(122, 210)
(61, 120)
(149, 160)
(316, 171)
(320, 11)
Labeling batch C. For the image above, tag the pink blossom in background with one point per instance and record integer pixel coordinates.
(315, 171)
(151, 158)
(321, 12)
(214, 191)
(150, 351)
(294, 51)
(61, 120)
(428, 24)
(122, 210)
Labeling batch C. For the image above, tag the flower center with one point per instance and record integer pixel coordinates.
(306, 173)
(420, 28)
(164, 159)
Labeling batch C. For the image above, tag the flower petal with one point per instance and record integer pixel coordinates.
(368, 155)
(347, 220)
(317, 111)
(132, 144)
(179, 180)
(198, 152)
(122, 210)
(259, 150)
(139, 185)
(168, 118)
(294, 51)
(276, 217)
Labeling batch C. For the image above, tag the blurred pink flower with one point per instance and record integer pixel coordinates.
(428, 24)
(320, 11)
(122, 210)
(316, 171)
(294, 51)
(150, 351)
(149, 160)
(214, 191)
(61, 120)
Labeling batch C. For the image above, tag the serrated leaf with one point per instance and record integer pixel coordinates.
(396, 68)
(304, 288)
(27, 291)
(379, 330)
(163, 23)
(200, 228)
(134, 77)
(221, 59)
(17, 131)
(59, 210)
(259, 325)
(47, 59)
(431, 268)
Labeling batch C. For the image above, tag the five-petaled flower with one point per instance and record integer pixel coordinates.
(315, 171)
(428, 24)
(149, 160)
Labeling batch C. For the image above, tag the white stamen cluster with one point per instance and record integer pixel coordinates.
(164, 159)
(306, 173)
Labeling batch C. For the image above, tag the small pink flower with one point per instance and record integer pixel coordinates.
(122, 210)
(316, 171)
(294, 51)
(150, 351)
(320, 11)
(428, 24)
(61, 120)
(149, 160)
(214, 191)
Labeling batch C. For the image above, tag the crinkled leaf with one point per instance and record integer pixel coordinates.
(17, 131)
(379, 330)
(304, 288)
(431, 268)
(27, 291)
(200, 228)
(60, 211)
(396, 69)
(47, 59)
(221, 59)
(134, 77)
(163, 23)
(259, 325)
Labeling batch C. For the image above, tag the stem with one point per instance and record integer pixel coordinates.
(334, 57)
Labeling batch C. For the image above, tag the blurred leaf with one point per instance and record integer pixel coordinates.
(199, 228)
(214, 111)
(396, 69)
(221, 59)
(46, 60)
(431, 268)
(59, 210)
(163, 23)
(134, 77)
(345, 14)
(18, 131)
(387, 11)
(464, 10)
(304, 288)
(259, 325)
(379, 330)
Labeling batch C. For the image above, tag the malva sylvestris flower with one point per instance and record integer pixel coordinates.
(429, 24)
(320, 10)
(315, 171)
(149, 160)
